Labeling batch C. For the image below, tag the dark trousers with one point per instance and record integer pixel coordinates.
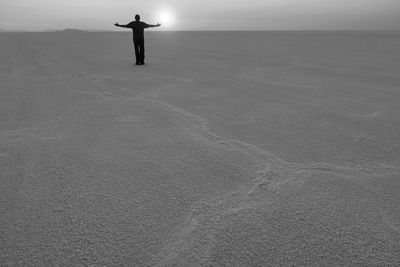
(139, 50)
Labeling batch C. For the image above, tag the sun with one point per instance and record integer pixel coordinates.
(166, 18)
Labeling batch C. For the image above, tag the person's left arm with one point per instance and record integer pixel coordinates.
(151, 26)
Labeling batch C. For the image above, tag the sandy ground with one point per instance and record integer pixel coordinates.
(225, 149)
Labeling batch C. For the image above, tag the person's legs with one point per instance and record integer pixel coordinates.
(141, 44)
(137, 52)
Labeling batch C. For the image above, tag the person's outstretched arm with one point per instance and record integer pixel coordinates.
(157, 25)
(122, 26)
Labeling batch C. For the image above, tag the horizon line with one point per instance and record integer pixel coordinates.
(218, 30)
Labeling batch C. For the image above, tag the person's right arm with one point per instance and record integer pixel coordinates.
(122, 26)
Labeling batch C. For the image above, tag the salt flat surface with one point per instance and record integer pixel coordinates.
(227, 148)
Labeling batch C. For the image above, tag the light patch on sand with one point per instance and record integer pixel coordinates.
(129, 118)
(372, 115)
(24, 134)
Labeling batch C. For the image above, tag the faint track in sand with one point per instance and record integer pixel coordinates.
(210, 136)
(198, 232)
(272, 159)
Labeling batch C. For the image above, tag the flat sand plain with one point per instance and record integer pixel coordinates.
(225, 149)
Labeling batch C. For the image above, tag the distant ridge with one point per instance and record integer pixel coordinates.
(46, 30)
(72, 30)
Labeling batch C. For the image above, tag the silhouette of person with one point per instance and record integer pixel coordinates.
(138, 27)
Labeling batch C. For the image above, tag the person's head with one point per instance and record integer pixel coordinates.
(137, 17)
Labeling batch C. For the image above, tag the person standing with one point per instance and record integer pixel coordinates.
(138, 27)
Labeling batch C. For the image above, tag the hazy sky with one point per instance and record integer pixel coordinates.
(204, 14)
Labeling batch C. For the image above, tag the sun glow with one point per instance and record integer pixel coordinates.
(166, 18)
